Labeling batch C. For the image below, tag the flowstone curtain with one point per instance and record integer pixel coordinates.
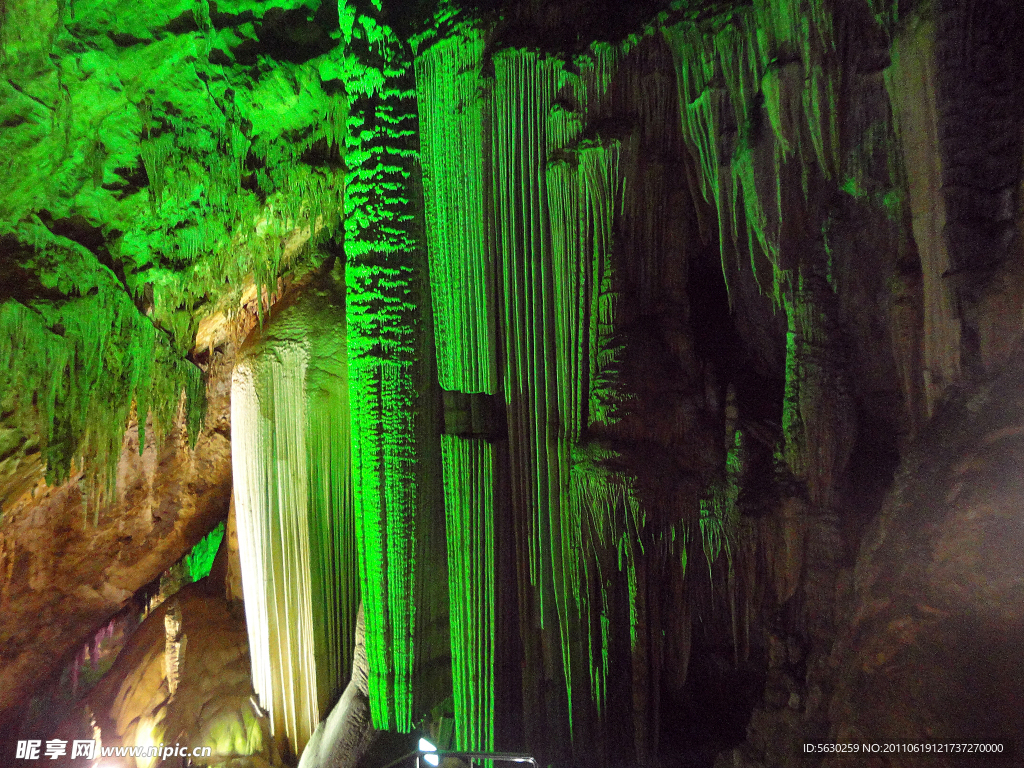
(452, 136)
(296, 522)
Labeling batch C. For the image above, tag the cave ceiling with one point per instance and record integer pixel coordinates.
(160, 160)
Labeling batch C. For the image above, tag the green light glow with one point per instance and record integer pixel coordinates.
(150, 176)
(721, 70)
(234, 733)
(383, 254)
(584, 196)
(75, 366)
(203, 164)
(719, 516)
(452, 116)
(199, 561)
(524, 90)
(469, 508)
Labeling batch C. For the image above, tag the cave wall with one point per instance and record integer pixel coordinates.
(929, 639)
(71, 560)
(675, 271)
(650, 322)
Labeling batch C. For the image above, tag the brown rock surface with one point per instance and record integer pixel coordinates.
(211, 703)
(66, 567)
(933, 651)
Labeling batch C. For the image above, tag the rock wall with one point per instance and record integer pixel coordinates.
(697, 286)
(928, 651)
(70, 561)
(183, 679)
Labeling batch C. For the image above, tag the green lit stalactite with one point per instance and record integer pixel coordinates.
(524, 90)
(383, 252)
(584, 199)
(453, 120)
(818, 413)
(199, 560)
(469, 507)
(452, 135)
(733, 76)
(78, 365)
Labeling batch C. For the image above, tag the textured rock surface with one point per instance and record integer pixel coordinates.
(66, 567)
(719, 275)
(932, 652)
(158, 160)
(211, 702)
(343, 737)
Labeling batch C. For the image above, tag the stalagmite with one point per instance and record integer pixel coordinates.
(174, 647)
(293, 496)
(346, 733)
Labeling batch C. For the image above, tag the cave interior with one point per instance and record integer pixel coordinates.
(610, 382)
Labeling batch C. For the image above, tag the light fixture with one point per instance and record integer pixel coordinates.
(432, 756)
(430, 752)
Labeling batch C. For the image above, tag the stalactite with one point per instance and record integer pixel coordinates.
(584, 91)
(385, 305)
(452, 134)
(784, 57)
(199, 560)
(911, 81)
(761, 110)
(564, 316)
(155, 152)
(77, 366)
(600, 198)
(571, 190)
(817, 418)
(585, 198)
(728, 536)
(296, 522)
(469, 507)
(524, 90)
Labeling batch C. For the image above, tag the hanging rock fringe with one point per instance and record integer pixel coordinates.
(295, 512)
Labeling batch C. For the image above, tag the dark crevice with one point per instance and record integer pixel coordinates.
(295, 36)
(758, 397)
(712, 711)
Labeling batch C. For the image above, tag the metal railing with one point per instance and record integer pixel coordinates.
(497, 757)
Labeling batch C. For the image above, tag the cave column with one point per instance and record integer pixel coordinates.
(396, 461)
(453, 101)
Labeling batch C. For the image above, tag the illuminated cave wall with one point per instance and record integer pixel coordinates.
(661, 259)
(601, 338)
